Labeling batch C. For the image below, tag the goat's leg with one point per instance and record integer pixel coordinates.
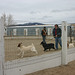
(22, 54)
(36, 52)
(19, 53)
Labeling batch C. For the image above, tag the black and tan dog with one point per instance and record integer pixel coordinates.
(47, 46)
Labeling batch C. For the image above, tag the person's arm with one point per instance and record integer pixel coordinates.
(42, 32)
(59, 33)
(46, 32)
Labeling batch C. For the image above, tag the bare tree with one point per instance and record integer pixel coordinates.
(7, 20)
(3, 17)
(4, 20)
(10, 20)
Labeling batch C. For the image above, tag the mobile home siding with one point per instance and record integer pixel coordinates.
(31, 31)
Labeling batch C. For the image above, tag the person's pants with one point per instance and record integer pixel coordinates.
(44, 38)
(58, 40)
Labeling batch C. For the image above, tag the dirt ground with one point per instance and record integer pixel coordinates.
(12, 51)
(61, 70)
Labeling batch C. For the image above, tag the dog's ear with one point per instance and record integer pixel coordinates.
(41, 43)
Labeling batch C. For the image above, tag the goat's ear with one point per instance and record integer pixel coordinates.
(18, 45)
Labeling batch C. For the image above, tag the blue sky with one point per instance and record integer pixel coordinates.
(44, 11)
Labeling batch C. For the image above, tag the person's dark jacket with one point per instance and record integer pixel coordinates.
(43, 32)
(58, 32)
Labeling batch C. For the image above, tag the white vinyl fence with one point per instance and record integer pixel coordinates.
(31, 64)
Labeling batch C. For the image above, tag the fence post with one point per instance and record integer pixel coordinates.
(64, 43)
(70, 34)
(1, 47)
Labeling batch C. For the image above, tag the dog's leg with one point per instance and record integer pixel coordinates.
(53, 47)
(44, 49)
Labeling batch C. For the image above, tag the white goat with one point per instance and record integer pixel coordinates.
(70, 45)
(23, 49)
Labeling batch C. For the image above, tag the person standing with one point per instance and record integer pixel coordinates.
(44, 33)
(57, 35)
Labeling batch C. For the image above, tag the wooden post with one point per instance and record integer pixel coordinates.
(1, 47)
(64, 43)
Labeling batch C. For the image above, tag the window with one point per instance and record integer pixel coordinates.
(25, 32)
(49, 31)
(37, 31)
(14, 31)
